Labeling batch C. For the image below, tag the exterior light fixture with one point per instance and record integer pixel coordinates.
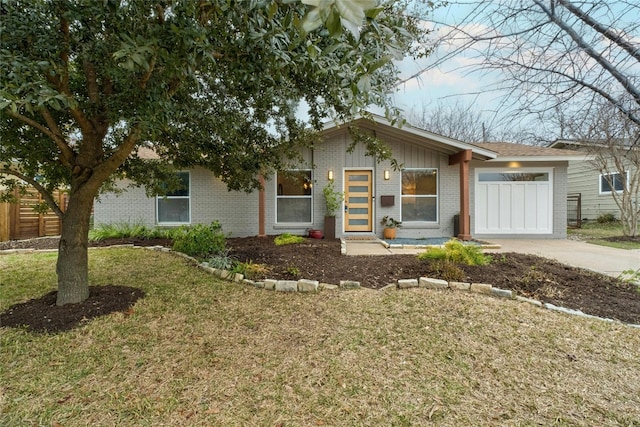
(387, 175)
(330, 175)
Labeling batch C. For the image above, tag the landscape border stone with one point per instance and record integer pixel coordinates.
(270, 284)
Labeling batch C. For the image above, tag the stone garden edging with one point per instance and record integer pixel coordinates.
(307, 285)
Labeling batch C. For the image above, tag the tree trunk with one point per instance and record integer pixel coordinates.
(73, 260)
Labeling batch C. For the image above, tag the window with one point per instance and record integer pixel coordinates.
(513, 176)
(615, 178)
(294, 197)
(175, 207)
(420, 195)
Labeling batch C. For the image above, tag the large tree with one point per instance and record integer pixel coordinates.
(85, 84)
(550, 54)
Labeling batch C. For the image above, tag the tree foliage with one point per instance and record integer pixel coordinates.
(86, 85)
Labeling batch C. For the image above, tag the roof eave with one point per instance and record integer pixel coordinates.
(478, 153)
(562, 158)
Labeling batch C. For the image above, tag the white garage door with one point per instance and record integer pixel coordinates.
(514, 202)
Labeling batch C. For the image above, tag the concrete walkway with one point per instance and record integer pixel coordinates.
(602, 259)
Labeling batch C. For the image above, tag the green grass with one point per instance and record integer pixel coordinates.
(594, 232)
(199, 351)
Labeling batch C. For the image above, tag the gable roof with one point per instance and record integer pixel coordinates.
(411, 134)
(508, 151)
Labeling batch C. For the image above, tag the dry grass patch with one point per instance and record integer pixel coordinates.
(197, 351)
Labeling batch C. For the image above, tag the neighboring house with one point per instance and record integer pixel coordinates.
(495, 189)
(594, 187)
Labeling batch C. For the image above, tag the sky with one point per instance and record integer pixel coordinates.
(460, 79)
(449, 83)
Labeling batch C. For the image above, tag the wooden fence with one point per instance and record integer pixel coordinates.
(19, 221)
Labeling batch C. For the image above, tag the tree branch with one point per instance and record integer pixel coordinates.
(589, 50)
(48, 198)
(67, 153)
(605, 31)
(124, 150)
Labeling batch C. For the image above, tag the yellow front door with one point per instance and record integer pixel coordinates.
(357, 201)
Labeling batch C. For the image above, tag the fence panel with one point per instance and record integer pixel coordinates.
(19, 221)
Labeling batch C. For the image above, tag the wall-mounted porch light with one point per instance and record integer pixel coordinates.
(387, 175)
(330, 175)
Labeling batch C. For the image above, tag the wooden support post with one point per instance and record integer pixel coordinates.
(463, 158)
(261, 209)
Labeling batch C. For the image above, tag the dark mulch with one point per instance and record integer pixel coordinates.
(528, 275)
(42, 315)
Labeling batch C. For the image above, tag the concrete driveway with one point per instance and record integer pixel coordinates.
(602, 259)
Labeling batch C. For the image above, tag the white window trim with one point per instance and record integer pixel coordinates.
(174, 223)
(602, 175)
(277, 197)
(436, 196)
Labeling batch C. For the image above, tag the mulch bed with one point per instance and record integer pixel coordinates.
(529, 275)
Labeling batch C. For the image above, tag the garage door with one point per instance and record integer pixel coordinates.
(514, 202)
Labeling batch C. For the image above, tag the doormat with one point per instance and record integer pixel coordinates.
(362, 238)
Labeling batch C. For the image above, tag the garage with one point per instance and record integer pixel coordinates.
(514, 201)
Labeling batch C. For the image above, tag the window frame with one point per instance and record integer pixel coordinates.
(431, 196)
(279, 197)
(600, 182)
(188, 197)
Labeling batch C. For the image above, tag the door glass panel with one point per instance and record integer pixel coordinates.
(358, 222)
(358, 189)
(355, 211)
(358, 177)
(358, 200)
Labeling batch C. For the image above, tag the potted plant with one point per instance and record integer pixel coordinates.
(333, 199)
(390, 226)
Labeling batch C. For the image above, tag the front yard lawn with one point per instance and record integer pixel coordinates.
(198, 351)
(604, 234)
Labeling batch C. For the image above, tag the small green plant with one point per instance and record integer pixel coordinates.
(222, 260)
(631, 276)
(251, 270)
(389, 222)
(332, 198)
(200, 241)
(606, 218)
(293, 271)
(288, 239)
(448, 271)
(457, 252)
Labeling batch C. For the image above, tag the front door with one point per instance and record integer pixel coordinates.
(357, 201)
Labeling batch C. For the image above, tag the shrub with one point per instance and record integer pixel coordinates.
(457, 252)
(119, 230)
(125, 230)
(606, 218)
(200, 241)
(448, 271)
(288, 239)
(251, 270)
